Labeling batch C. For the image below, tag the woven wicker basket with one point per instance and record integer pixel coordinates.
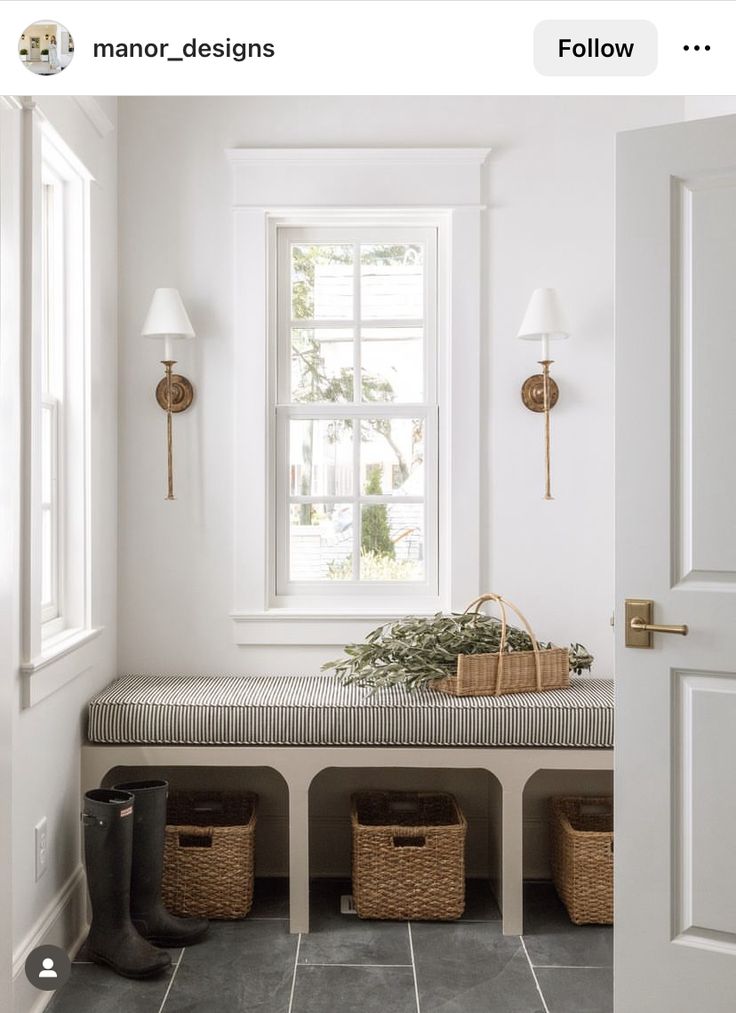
(581, 838)
(507, 671)
(408, 856)
(209, 854)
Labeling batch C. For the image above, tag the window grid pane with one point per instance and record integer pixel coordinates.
(321, 542)
(322, 281)
(392, 364)
(322, 365)
(392, 281)
(50, 562)
(392, 542)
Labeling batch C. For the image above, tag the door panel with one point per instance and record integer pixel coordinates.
(675, 929)
(705, 888)
(704, 210)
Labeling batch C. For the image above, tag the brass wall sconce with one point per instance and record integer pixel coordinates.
(543, 321)
(168, 319)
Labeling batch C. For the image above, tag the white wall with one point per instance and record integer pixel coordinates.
(699, 107)
(46, 737)
(10, 230)
(549, 222)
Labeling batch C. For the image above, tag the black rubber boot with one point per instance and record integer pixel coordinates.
(149, 915)
(108, 850)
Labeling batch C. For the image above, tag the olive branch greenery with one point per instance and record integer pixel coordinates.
(417, 650)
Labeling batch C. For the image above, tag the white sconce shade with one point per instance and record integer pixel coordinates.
(167, 318)
(543, 317)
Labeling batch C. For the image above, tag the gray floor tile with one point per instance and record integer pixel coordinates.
(472, 968)
(347, 939)
(245, 965)
(552, 939)
(354, 990)
(577, 989)
(462, 967)
(95, 989)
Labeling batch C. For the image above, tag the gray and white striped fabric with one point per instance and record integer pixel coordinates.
(319, 711)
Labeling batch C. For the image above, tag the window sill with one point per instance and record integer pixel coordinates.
(57, 664)
(299, 628)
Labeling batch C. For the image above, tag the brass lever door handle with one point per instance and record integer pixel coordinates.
(639, 624)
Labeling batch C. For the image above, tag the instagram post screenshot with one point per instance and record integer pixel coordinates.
(368, 506)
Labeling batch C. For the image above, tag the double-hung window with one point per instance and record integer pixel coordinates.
(356, 413)
(58, 609)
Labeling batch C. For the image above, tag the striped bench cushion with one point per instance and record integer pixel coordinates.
(318, 711)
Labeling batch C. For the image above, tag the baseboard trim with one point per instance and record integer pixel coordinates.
(62, 923)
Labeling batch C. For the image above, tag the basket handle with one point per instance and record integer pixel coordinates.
(502, 603)
(195, 837)
(407, 841)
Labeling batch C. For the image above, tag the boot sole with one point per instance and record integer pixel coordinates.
(136, 975)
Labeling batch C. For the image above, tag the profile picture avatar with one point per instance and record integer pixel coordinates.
(46, 47)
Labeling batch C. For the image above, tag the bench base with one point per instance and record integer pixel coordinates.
(298, 765)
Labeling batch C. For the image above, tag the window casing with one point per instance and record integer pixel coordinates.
(58, 495)
(272, 188)
(355, 414)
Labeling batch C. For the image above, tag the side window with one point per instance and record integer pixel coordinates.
(61, 413)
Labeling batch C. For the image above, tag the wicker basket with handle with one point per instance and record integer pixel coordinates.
(507, 671)
(209, 853)
(408, 855)
(581, 839)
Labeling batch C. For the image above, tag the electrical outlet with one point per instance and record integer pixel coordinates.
(347, 904)
(41, 832)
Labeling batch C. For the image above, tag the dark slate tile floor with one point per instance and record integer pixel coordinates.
(354, 966)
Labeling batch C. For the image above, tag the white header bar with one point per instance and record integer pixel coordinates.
(370, 47)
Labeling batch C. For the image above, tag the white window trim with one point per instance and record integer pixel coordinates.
(51, 657)
(436, 187)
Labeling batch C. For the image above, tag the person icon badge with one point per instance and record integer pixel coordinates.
(48, 969)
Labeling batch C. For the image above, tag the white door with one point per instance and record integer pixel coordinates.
(675, 839)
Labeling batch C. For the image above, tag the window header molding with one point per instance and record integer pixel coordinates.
(357, 177)
(356, 156)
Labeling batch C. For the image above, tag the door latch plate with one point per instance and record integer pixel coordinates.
(638, 608)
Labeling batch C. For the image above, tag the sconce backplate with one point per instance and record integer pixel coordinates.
(182, 393)
(532, 393)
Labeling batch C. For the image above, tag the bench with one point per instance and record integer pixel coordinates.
(302, 726)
